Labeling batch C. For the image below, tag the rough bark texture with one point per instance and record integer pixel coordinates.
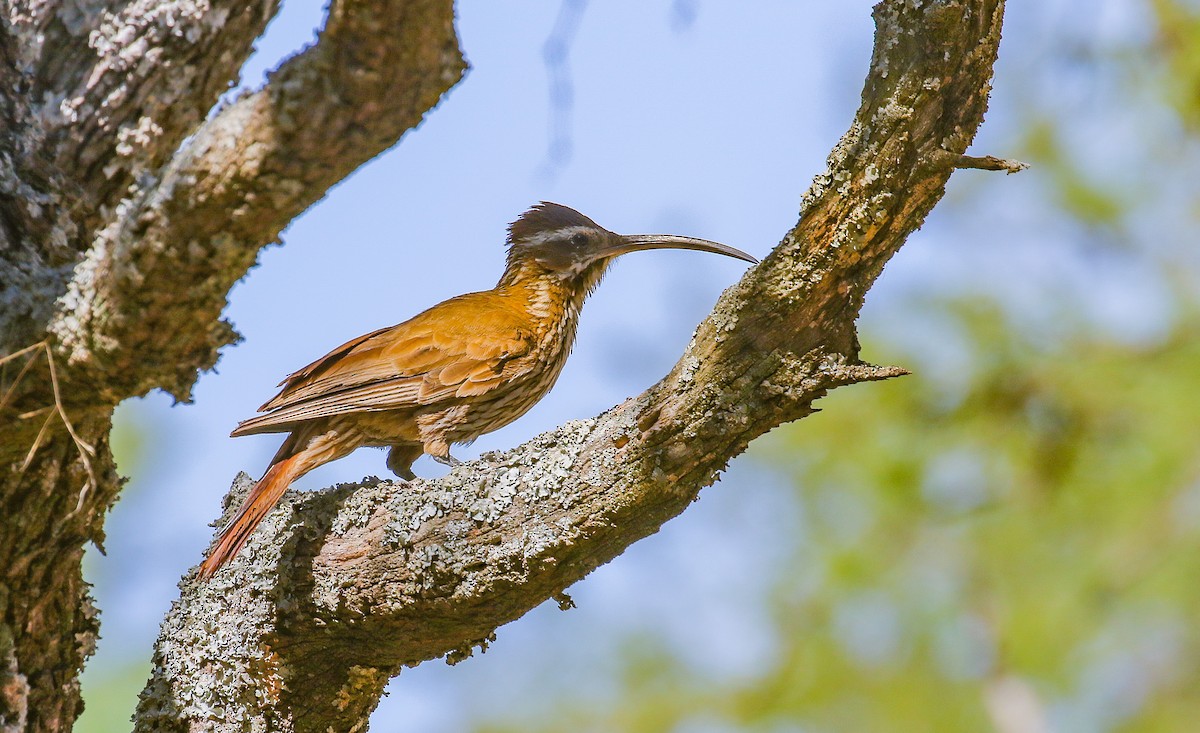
(127, 211)
(339, 589)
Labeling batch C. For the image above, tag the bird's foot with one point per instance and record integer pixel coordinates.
(448, 460)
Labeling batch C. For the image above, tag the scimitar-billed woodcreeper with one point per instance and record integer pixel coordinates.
(465, 367)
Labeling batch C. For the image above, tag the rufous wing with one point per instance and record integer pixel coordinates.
(462, 347)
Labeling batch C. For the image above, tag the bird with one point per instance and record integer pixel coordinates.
(467, 366)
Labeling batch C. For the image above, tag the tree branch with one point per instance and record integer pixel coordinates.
(341, 588)
(260, 162)
(103, 93)
(991, 163)
(133, 78)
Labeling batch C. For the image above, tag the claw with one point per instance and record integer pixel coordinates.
(448, 460)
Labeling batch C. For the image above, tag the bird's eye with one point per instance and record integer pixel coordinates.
(578, 240)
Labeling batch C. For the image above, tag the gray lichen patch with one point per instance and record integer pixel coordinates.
(213, 637)
(838, 160)
(486, 490)
(130, 46)
(483, 521)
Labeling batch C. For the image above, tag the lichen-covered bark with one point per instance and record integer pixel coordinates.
(118, 247)
(107, 92)
(244, 175)
(339, 589)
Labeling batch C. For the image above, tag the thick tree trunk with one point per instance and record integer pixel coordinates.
(118, 247)
(339, 589)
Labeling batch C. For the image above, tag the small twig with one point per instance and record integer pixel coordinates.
(25, 350)
(85, 450)
(991, 163)
(37, 443)
(12, 388)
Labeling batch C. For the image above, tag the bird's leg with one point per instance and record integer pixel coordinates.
(439, 450)
(400, 459)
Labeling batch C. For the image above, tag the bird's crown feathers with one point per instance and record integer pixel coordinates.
(543, 218)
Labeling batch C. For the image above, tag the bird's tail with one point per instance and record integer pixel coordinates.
(261, 499)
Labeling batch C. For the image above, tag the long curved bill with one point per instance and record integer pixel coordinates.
(637, 242)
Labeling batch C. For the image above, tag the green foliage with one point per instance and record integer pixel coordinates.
(1043, 525)
(1179, 45)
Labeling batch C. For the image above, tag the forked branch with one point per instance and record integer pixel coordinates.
(240, 179)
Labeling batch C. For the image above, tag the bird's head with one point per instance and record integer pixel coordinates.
(566, 244)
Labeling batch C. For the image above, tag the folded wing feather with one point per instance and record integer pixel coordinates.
(459, 348)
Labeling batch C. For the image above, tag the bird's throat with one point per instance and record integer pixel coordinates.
(552, 302)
